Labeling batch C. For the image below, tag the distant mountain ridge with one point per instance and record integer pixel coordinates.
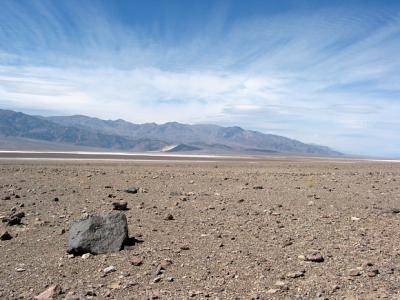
(86, 131)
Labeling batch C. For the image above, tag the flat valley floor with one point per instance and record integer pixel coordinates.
(211, 229)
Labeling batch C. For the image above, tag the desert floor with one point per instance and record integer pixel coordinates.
(239, 229)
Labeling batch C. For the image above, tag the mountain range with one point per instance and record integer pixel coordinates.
(22, 131)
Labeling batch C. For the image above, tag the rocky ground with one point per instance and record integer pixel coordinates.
(224, 230)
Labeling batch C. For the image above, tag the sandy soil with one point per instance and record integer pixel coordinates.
(240, 230)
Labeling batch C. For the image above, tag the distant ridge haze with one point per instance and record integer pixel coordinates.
(84, 131)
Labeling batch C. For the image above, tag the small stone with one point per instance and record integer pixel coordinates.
(109, 270)
(14, 219)
(280, 283)
(136, 261)
(184, 247)
(169, 217)
(143, 190)
(272, 291)
(372, 273)
(295, 274)
(51, 293)
(157, 279)
(56, 199)
(121, 205)
(192, 294)
(159, 270)
(129, 284)
(170, 279)
(314, 257)
(4, 236)
(335, 287)
(354, 272)
(165, 263)
(131, 190)
(91, 293)
(19, 270)
(86, 256)
(355, 219)
(258, 187)
(391, 210)
(114, 285)
(155, 295)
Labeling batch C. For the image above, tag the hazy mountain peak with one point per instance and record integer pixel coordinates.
(119, 134)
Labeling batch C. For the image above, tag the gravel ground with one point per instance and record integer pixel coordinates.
(290, 229)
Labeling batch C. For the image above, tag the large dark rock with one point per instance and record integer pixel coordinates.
(98, 234)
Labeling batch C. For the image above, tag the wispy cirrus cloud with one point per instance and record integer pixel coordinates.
(327, 76)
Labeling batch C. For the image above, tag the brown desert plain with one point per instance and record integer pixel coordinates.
(257, 228)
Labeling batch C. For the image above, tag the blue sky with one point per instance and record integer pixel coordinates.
(325, 72)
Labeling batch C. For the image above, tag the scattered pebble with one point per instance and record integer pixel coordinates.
(157, 279)
(143, 190)
(121, 205)
(51, 293)
(258, 187)
(14, 219)
(131, 190)
(314, 257)
(391, 211)
(372, 273)
(136, 261)
(295, 274)
(109, 269)
(169, 217)
(354, 272)
(4, 235)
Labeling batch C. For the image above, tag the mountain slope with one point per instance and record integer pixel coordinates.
(203, 135)
(17, 124)
(93, 132)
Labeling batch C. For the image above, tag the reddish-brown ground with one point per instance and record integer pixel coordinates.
(240, 230)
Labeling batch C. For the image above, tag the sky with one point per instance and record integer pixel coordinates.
(323, 72)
